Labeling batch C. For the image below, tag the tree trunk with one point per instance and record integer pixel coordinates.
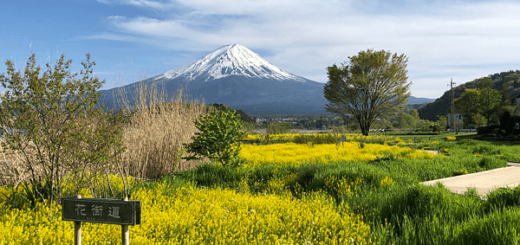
(365, 128)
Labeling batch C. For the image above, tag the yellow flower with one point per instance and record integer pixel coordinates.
(386, 181)
(185, 214)
(297, 154)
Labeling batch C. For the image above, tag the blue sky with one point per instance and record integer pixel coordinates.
(135, 39)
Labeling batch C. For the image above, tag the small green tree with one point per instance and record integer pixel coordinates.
(468, 104)
(278, 128)
(415, 114)
(53, 121)
(405, 121)
(441, 123)
(480, 121)
(218, 137)
(458, 126)
(423, 125)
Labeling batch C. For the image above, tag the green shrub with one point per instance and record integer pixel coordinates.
(503, 197)
(468, 142)
(317, 139)
(500, 227)
(492, 162)
(486, 150)
(214, 175)
(218, 138)
(278, 128)
(487, 130)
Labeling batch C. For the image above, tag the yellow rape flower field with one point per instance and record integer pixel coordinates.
(297, 154)
(189, 215)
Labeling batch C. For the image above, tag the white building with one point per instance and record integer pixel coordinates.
(457, 118)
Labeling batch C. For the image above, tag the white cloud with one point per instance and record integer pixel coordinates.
(441, 39)
(160, 5)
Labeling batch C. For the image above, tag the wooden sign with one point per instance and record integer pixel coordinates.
(96, 210)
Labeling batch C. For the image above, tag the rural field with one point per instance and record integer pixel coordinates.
(300, 189)
(260, 122)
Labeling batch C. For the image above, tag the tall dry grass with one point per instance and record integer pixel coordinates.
(157, 129)
(12, 168)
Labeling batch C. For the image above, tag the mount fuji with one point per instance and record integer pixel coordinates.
(236, 76)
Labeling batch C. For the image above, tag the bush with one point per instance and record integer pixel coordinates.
(491, 162)
(503, 197)
(52, 119)
(317, 139)
(510, 128)
(504, 121)
(278, 128)
(487, 130)
(218, 137)
(486, 150)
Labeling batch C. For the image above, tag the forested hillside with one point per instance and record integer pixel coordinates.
(509, 81)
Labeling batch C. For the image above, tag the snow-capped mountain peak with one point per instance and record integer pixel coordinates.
(230, 60)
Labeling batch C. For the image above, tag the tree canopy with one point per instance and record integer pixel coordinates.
(483, 102)
(373, 84)
(468, 104)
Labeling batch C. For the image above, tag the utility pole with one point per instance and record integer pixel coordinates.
(452, 118)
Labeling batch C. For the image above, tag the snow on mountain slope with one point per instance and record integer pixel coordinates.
(230, 60)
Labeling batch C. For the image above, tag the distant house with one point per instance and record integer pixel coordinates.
(457, 118)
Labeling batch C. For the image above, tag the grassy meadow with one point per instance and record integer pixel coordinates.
(313, 196)
(283, 189)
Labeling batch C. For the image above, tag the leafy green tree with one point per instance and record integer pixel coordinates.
(218, 138)
(441, 123)
(490, 100)
(323, 122)
(423, 125)
(373, 84)
(468, 104)
(414, 113)
(382, 124)
(53, 121)
(507, 87)
(484, 82)
(405, 121)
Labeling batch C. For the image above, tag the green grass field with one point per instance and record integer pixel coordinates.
(379, 201)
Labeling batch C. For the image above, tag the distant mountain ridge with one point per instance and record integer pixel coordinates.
(415, 100)
(236, 76)
(440, 106)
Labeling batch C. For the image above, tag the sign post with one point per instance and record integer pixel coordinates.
(96, 210)
(77, 229)
(125, 233)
